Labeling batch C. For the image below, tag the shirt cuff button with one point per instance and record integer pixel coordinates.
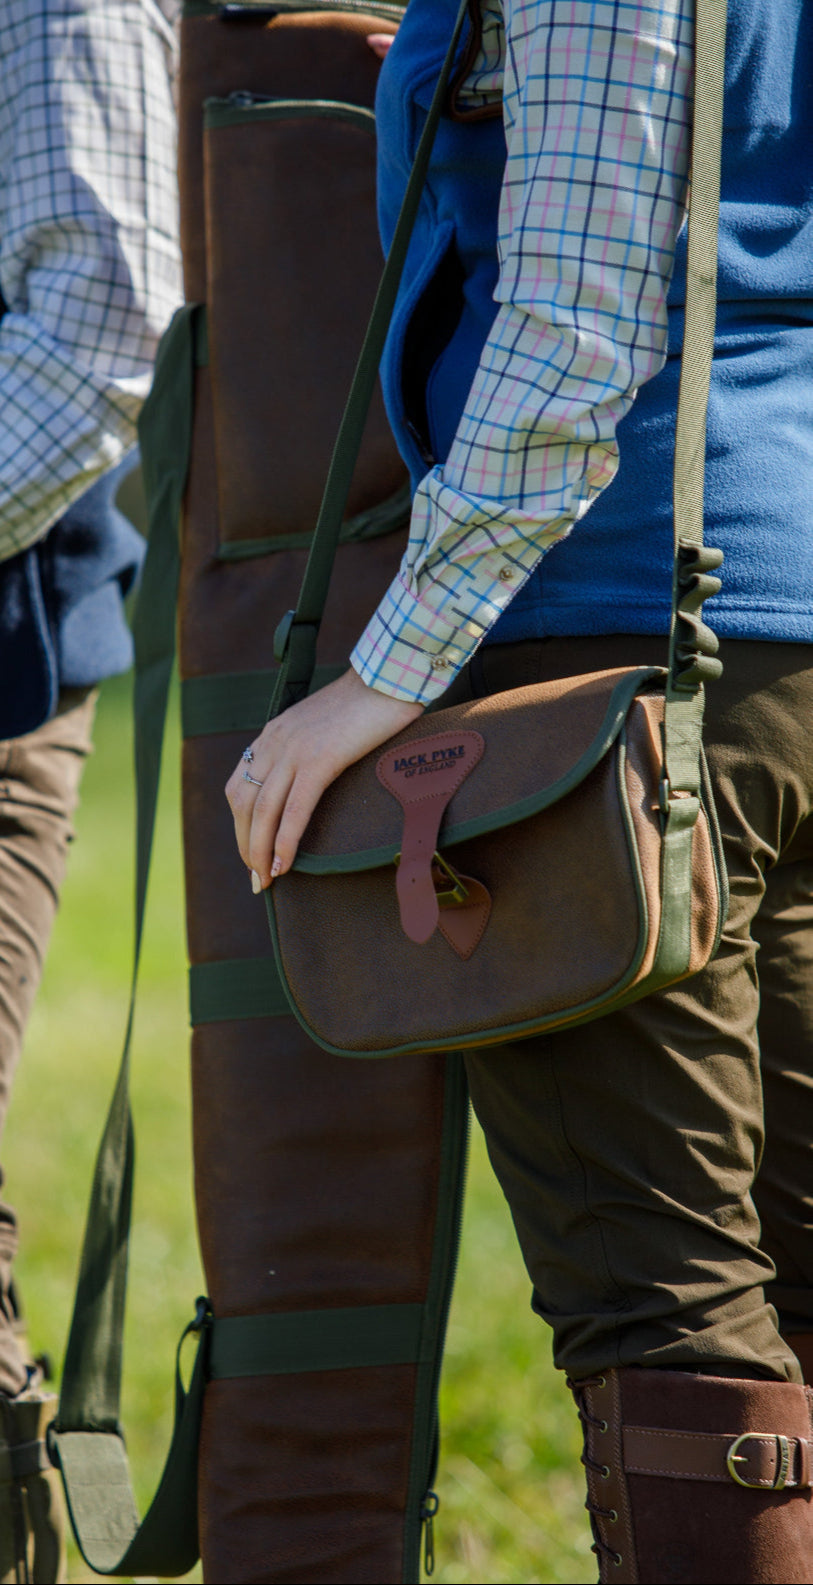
(506, 574)
(440, 663)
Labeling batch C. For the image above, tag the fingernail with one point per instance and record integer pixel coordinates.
(276, 867)
(256, 883)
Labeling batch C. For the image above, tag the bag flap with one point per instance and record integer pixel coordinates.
(540, 742)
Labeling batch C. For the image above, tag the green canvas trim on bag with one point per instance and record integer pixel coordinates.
(610, 1000)
(676, 878)
(235, 988)
(288, 1343)
(510, 814)
(674, 942)
(673, 950)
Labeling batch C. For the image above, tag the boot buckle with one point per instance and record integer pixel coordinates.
(734, 1457)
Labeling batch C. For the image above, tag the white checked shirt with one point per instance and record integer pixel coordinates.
(597, 110)
(89, 261)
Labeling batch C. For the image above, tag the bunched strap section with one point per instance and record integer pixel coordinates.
(692, 645)
(696, 646)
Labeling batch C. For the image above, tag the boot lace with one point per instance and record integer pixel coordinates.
(601, 1548)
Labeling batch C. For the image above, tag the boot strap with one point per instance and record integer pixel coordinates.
(759, 1460)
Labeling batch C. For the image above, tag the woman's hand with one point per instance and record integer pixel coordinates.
(295, 758)
(379, 43)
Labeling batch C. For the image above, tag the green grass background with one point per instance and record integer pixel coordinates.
(510, 1484)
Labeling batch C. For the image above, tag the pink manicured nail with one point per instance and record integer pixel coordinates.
(256, 883)
(379, 43)
(276, 867)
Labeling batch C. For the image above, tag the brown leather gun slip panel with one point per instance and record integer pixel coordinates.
(328, 1191)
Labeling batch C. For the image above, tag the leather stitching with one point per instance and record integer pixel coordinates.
(766, 1442)
(690, 1474)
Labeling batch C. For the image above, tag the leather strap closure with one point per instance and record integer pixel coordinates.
(758, 1460)
(424, 774)
(464, 909)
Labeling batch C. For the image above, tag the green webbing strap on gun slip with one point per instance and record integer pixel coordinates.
(86, 1440)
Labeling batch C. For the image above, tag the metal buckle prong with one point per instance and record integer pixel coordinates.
(734, 1456)
(452, 896)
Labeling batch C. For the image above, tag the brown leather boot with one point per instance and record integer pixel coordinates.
(698, 1479)
(802, 1345)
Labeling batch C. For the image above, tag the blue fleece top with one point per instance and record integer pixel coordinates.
(613, 572)
(62, 621)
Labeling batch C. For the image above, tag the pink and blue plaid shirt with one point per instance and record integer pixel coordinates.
(597, 110)
(89, 256)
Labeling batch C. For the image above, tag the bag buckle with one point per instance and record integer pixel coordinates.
(452, 896)
(734, 1456)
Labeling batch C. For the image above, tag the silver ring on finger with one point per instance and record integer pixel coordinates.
(252, 779)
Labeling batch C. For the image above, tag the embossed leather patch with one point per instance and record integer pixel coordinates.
(423, 775)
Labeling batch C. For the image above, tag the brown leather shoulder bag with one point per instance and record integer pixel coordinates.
(537, 858)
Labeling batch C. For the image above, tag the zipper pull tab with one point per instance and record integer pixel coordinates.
(429, 1508)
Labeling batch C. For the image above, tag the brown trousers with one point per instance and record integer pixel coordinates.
(639, 1153)
(39, 785)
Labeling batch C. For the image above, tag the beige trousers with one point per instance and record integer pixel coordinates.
(39, 786)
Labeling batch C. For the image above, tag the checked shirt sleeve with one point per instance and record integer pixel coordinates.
(89, 259)
(597, 108)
